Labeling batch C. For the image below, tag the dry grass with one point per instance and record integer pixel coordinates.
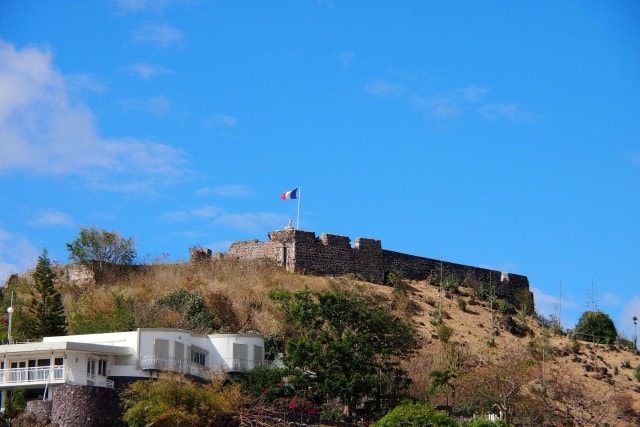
(239, 292)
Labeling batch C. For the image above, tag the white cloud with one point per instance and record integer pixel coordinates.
(158, 35)
(380, 88)
(223, 120)
(156, 6)
(251, 221)
(157, 105)
(147, 71)
(51, 218)
(346, 58)
(625, 322)
(43, 130)
(548, 305)
(231, 190)
(512, 112)
(17, 254)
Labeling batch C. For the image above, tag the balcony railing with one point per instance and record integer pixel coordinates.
(160, 363)
(41, 374)
(99, 381)
(47, 375)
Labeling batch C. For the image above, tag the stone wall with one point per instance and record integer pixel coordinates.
(41, 411)
(330, 254)
(85, 406)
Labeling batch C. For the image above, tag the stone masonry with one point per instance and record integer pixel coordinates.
(332, 255)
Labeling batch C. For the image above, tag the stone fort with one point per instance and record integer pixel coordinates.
(333, 255)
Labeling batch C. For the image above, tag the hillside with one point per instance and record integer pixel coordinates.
(592, 384)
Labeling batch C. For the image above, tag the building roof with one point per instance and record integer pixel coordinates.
(65, 345)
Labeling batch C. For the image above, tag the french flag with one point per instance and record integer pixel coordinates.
(293, 194)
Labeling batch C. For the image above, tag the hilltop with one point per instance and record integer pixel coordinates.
(591, 383)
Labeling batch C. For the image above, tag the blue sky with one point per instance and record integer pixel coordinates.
(498, 134)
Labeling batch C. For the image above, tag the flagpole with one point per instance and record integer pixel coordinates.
(299, 197)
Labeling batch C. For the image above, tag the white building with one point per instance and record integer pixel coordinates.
(100, 359)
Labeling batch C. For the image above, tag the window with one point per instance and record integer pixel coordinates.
(199, 357)
(102, 368)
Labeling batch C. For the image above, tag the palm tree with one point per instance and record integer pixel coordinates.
(441, 380)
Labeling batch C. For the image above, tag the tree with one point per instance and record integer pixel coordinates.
(499, 384)
(345, 344)
(173, 400)
(596, 326)
(46, 300)
(101, 249)
(441, 380)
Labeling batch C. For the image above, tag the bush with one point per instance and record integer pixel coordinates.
(636, 372)
(444, 332)
(462, 305)
(258, 382)
(597, 327)
(415, 414)
(174, 400)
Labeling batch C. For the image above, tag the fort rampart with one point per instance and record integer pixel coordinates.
(303, 252)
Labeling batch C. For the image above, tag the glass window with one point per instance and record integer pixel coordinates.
(198, 357)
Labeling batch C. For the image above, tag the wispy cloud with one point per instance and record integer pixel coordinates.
(44, 130)
(248, 221)
(232, 190)
(147, 71)
(221, 120)
(252, 222)
(445, 104)
(51, 218)
(157, 105)
(203, 212)
(380, 87)
(346, 58)
(157, 6)
(547, 305)
(513, 112)
(17, 254)
(158, 35)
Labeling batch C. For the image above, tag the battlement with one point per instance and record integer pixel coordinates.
(333, 255)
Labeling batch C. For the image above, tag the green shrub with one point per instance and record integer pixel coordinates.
(636, 372)
(416, 415)
(462, 305)
(597, 327)
(192, 309)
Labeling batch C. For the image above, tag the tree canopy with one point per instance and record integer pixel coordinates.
(46, 300)
(596, 326)
(345, 344)
(99, 249)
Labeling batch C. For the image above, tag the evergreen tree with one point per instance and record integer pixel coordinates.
(46, 300)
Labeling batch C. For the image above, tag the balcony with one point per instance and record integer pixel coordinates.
(44, 375)
(41, 375)
(159, 363)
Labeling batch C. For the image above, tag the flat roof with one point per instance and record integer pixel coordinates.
(65, 345)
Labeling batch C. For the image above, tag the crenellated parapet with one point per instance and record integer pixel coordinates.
(330, 254)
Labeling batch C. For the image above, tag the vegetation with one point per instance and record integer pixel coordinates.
(101, 249)
(46, 301)
(415, 414)
(173, 400)
(596, 326)
(345, 345)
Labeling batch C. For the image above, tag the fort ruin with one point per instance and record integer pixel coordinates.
(333, 255)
